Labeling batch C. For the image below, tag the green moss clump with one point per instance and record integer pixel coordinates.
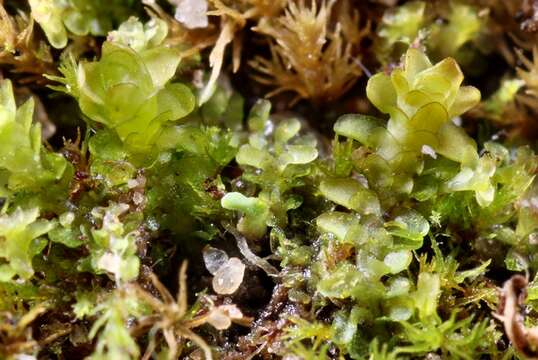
(152, 206)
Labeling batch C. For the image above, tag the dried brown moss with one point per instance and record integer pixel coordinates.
(315, 50)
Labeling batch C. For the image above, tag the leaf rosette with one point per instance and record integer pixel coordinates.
(421, 100)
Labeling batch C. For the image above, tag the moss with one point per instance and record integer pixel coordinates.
(371, 209)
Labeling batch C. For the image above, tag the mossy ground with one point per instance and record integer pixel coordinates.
(254, 179)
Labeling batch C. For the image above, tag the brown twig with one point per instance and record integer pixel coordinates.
(512, 298)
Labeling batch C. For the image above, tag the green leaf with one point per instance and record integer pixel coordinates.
(472, 273)
(139, 36)
(427, 295)
(259, 114)
(49, 15)
(337, 223)
(410, 225)
(398, 261)
(28, 165)
(176, 101)
(351, 194)
(161, 63)
(256, 212)
(466, 98)
(297, 155)
(381, 92)
(19, 241)
(365, 129)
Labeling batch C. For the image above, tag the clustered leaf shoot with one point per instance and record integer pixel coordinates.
(373, 208)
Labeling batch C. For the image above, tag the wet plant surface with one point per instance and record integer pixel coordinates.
(254, 179)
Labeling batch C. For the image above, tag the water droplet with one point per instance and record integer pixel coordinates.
(214, 259)
(229, 277)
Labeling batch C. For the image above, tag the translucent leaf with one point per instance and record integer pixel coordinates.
(66, 234)
(176, 100)
(377, 170)
(466, 98)
(118, 64)
(366, 202)
(381, 92)
(340, 283)
(427, 294)
(213, 110)
(113, 247)
(345, 325)
(400, 24)
(161, 63)
(337, 223)
(286, 130)
(398, 286)
(398, 261)
(429, 117)
(363, 128)
(298, 154)
(107, 146)
(477, 179)
(7, 103)
(400, 83)
(49, 16)
(27, 164)
(409, 225)
(351, 194)
(259, 114)
(416, 99)
(256, 212)
(247, 205)
(19, 232)
(124, 100)
(249, 155)
(76, 22)
(456, 145)
(128, 92)
(415, 62)
(443, 78)
(139, 36)
(400, 312)
(472, 273)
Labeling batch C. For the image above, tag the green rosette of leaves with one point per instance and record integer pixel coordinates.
(129, 92)
(24, 163)
(421, 100)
